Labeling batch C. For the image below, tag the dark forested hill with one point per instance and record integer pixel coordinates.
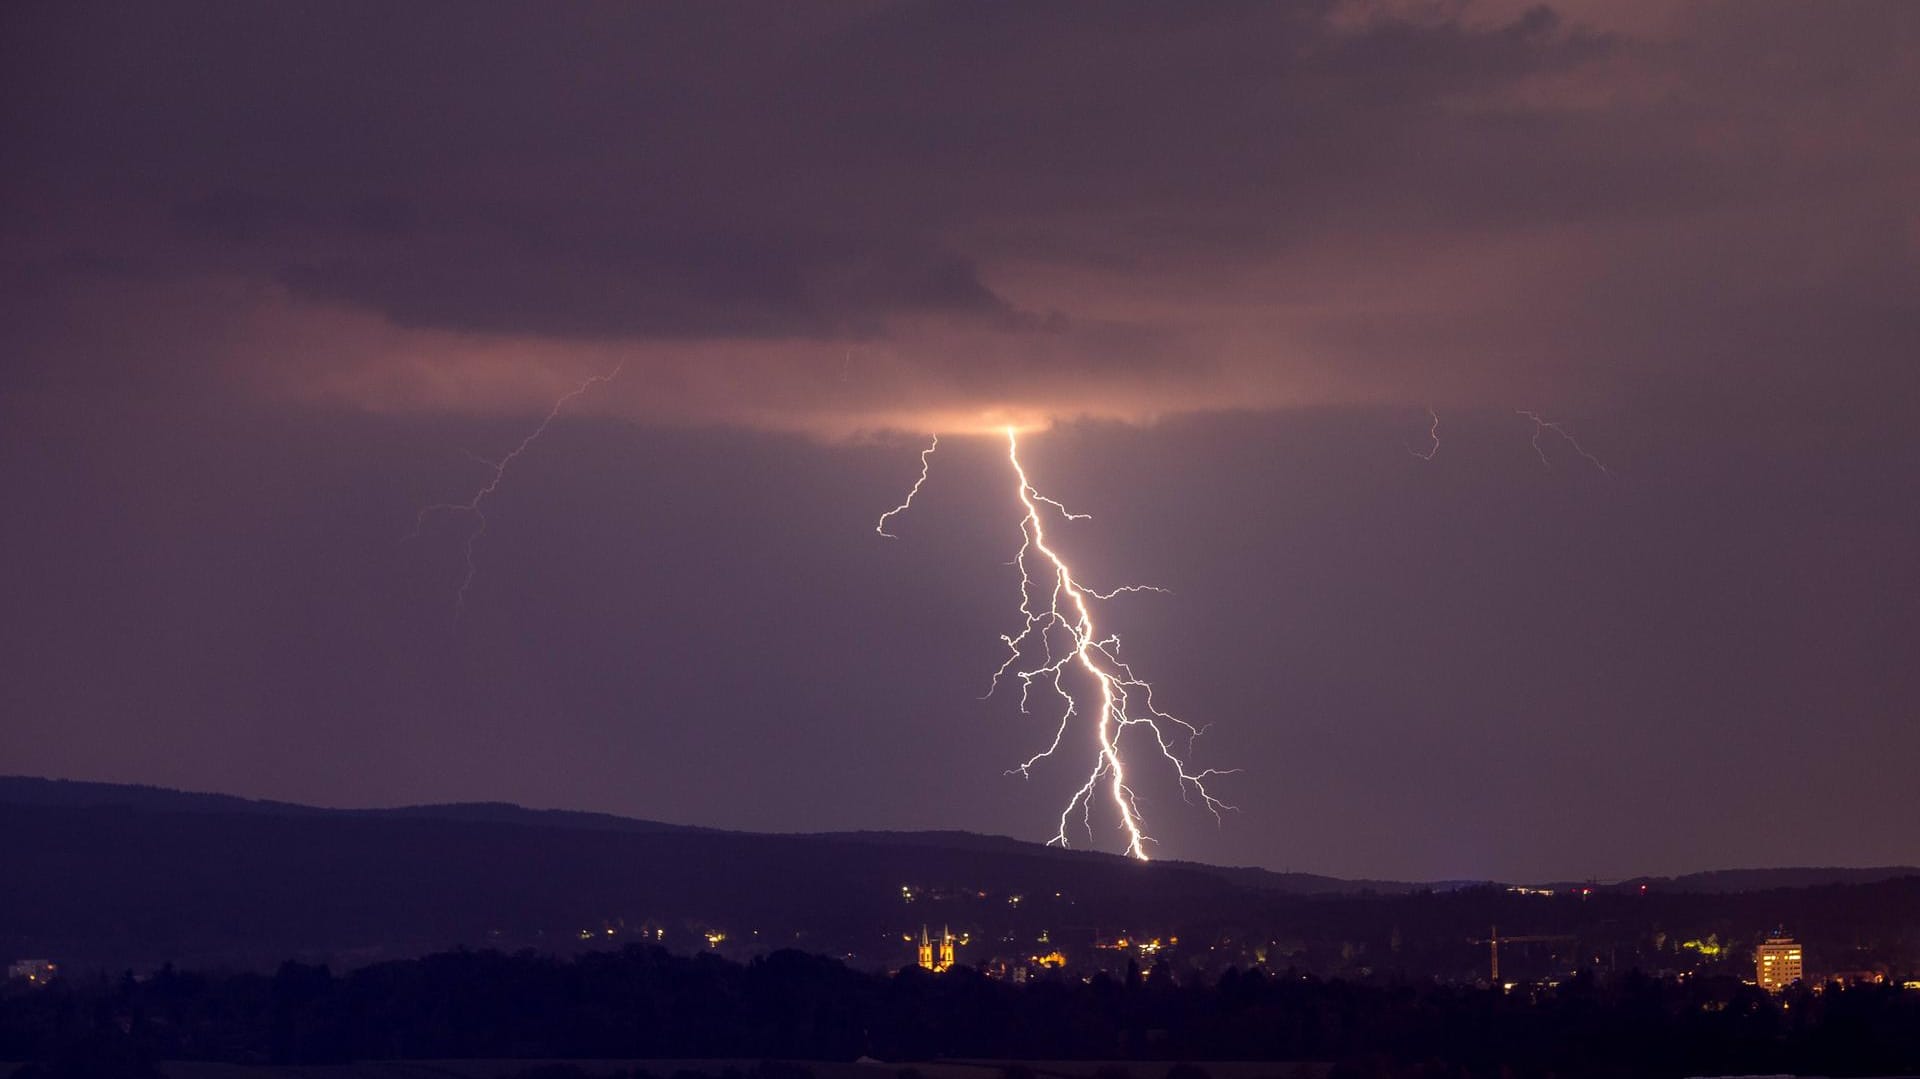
(77, 794)
(1752, 880)
(156, 876)
(110, 877)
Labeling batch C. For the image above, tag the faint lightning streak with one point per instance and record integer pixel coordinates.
(880, 526)
(1433, 433)
(472, 506)
(1540, 424)
(1098, 657)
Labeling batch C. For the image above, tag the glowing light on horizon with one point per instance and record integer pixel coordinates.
(1057, 612)
(473, 507)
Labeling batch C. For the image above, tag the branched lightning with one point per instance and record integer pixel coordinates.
(473, 507)
(1540, 425)
(880, 526)
(1058, 643)
(1433, 434)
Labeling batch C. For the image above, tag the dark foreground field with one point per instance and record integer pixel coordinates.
(688, 1069)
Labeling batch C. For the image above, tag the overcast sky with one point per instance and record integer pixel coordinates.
(275, 276)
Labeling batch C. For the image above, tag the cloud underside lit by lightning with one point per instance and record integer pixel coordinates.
(1059, 647)
(474, 507)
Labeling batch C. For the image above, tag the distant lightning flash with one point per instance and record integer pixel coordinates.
(1433, 435)
(1058, 624)
(472, 507)
(1540, 425)
(880, 526)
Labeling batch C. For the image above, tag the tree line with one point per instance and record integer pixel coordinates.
(647, 1003)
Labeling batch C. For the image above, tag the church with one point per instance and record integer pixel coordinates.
(927, 958)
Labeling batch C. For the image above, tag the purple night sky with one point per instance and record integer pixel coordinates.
(274, 276)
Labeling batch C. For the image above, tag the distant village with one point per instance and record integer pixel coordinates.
(1023, 938)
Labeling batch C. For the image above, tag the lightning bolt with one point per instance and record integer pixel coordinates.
(1433, 433)
(1542, 425)
(1058, 640)
(880, 526)
(473, 507)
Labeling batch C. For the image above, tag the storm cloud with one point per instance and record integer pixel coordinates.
(862, 216)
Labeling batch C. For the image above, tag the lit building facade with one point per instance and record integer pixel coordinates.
(943, 958)
(1778, 963)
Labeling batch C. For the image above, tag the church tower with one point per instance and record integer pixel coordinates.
(945, 958)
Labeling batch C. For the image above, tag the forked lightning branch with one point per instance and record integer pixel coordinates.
(1104, 706)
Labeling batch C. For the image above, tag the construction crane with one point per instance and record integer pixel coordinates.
(1494, 940)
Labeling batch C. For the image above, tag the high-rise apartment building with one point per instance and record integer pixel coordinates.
(1778, 963)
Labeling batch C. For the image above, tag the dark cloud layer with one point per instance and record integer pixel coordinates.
(269, 272)
(1323, 202)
